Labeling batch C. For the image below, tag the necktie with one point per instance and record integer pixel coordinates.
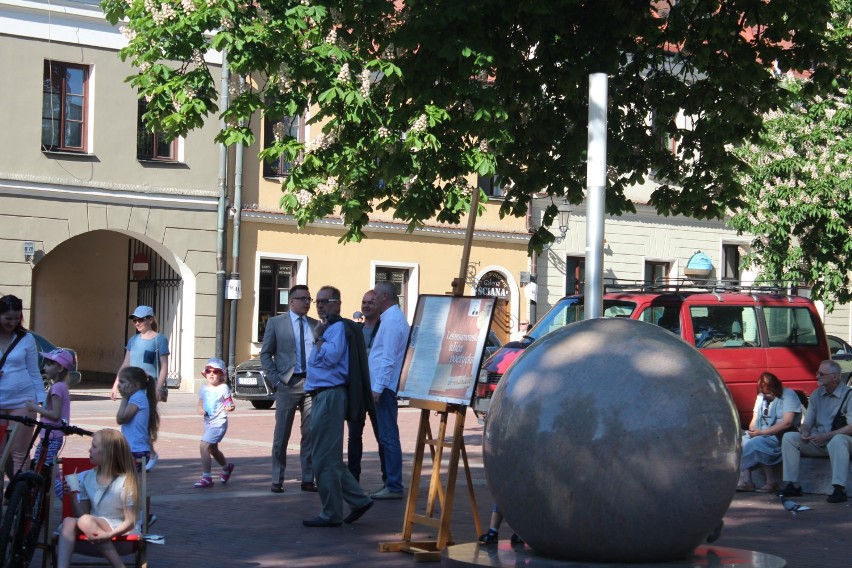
(302, 360)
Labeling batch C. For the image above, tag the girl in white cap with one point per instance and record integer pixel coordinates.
(57, 366)
(214, 404)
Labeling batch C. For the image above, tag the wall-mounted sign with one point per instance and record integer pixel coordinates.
(140, 266)
(493, 284)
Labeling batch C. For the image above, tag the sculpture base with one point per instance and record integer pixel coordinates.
(504, 555)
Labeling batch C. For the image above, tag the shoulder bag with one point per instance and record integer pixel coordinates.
(840, 418)
(12, 345)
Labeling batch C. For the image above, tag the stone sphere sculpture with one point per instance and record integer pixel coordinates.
(612, 440)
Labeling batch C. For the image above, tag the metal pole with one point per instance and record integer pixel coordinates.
(222, 217)
(235, 252)
(595, 195)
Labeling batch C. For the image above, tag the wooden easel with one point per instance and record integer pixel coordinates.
(430, 551)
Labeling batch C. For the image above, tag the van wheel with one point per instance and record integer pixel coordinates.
(262, 404)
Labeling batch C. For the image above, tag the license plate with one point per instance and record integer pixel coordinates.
(247, 381)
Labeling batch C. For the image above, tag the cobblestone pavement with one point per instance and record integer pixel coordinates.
(242, 524)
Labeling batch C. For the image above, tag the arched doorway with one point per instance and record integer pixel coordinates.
(84, 287)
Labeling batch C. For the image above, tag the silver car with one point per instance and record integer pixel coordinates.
(842, 353)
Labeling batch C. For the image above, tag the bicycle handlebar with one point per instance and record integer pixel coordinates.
(65, 428)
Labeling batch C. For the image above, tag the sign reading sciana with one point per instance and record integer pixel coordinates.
(445, 348)
(493, 284)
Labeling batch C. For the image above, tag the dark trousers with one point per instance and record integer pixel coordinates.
(355, 446)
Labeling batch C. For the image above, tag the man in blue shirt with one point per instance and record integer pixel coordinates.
(328, 376)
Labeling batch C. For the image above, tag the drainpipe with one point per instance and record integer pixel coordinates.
(222, 214)
(235, 252)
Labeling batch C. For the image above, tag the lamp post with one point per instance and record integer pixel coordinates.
(564, 213)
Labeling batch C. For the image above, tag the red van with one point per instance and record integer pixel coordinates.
(742, 331)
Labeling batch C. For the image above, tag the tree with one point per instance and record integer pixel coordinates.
(414, 96)
(798, 185)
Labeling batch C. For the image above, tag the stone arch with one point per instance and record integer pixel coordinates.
(80, 295)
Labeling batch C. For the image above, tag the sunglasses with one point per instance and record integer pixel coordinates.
(208, 370)
(324, 302)
(137, 320)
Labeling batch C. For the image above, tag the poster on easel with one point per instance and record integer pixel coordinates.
(445, 348)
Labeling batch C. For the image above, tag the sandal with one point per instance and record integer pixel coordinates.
(489, 538)
(745, 487)
(226, 473)
(204, 482)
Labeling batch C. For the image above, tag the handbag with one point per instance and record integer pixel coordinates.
(15, 341)
(840, 418)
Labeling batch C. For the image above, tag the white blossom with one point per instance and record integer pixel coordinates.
(344, 76)
(364, 89)
(419, 125)
(328, 186)
(304, 197)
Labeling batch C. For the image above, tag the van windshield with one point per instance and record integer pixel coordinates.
(570, 310)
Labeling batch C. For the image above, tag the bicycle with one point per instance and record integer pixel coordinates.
(29, 501)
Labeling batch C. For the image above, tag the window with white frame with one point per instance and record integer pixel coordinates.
(730, 262)
(64, 111)
(399, 277)
(153, 146)
(656, 272)
(273, 291)
(292, 126)
(491, 185)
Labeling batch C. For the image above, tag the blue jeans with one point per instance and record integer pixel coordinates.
(386, 414)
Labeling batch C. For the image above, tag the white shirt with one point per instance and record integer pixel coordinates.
(388, 351)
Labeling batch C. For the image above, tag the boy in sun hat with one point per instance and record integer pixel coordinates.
(214, 403)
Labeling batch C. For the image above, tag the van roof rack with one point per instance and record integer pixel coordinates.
(688, 285)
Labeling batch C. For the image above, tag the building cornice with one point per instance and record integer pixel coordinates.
(439, 231)
(108, 193)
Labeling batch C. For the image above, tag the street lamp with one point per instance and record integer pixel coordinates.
(564, 210)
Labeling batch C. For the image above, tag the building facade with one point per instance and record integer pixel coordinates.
(98, 215)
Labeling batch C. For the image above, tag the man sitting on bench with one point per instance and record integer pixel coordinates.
(824, 432)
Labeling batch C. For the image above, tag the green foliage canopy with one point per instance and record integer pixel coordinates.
(798, 184)
(415, 96)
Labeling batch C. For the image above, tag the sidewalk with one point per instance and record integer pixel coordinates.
(242, 524)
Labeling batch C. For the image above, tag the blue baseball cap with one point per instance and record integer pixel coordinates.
(142, 312)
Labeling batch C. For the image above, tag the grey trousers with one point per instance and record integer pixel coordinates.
(335, 483)
(837, 451)
(287, 401)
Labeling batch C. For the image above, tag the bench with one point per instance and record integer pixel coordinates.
(814, 475)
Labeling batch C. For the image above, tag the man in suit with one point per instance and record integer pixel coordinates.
(287, 344)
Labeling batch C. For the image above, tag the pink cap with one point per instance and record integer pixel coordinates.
(62, 356)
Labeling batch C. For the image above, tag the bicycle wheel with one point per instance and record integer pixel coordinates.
(14, 528)
(34, 520)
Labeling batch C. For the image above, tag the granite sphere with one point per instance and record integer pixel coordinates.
(612, 440)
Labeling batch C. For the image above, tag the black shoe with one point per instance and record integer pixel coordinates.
(357, 513)
(516, 539)
(839, 495)
(791, 490)
(276, 488)
(489, 538)
(319, 522)
(309, 486)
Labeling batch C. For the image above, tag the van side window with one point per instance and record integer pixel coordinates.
(718, 327)
(788, 327)
(667, 317)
